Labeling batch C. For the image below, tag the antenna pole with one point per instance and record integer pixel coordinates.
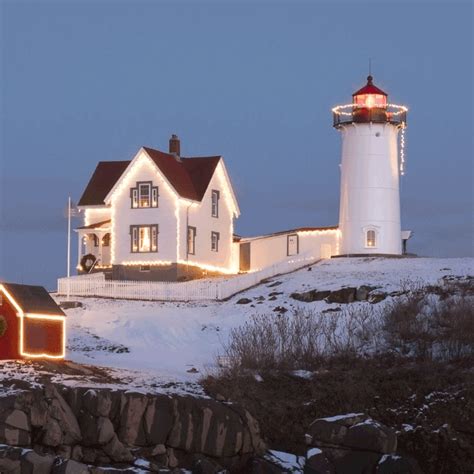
(370, 66)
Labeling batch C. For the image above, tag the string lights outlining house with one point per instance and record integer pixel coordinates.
(162, 216)
(31, 324)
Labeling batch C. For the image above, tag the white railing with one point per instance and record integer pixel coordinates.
(96, 285)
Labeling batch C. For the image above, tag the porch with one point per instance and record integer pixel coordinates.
(93, 253)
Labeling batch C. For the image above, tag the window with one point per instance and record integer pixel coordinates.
(370, 239)
(144, 238)
(144, 195)
(191, 240)
(215, 203)
(215, 236)
(96, 240)
(145, 268)
(106, 240)
(292, 244)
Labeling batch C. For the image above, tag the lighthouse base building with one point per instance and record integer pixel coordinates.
(163, 216)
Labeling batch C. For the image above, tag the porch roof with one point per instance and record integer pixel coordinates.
(96, 225)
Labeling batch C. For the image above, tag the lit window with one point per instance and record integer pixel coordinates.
(370, 242)
(106, 240)
(144, 238)
(144, 195)
(191, 240)
(215, 203)
(215, 236)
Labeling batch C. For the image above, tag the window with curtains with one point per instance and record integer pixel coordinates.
(371, 239)
(215, 196)
(191, 240)
(215, 241)
(144, 238)
(144, 195)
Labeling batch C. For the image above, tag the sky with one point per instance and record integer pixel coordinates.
(84, 81)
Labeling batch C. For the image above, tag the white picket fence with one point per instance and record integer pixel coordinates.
(96, 285)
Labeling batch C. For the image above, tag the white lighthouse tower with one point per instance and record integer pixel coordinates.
(369, 213)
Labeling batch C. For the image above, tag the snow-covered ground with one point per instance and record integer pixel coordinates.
(179, 341)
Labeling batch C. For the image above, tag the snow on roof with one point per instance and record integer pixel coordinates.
(33, 299)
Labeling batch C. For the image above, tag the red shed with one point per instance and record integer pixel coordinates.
(32, 325)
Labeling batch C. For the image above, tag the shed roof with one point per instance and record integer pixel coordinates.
(33, 299)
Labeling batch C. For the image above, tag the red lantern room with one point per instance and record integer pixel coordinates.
(370, 96)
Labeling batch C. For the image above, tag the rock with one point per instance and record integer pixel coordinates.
(193, 370)
(67, 466)
(371, 435)
(272, 298)
(33, 463)
(332, 310)
(131, 430)
(317, 463)
(344, 295)
(362, 293)
(377, 297)
(65, 417)
(259, 298)
(105, 430)
(158, 420)
(158, 450)
(18, 419)
(10, 459)
(264, 466)
(117, 451)
(275, 293)
(203, 465)
(76, 453)
(310, 296)
(351, 462)
(53, 435)
(393, 464)
(244, 301)
(70, 304)
(280, 309)
(331, 430)
(276, 283)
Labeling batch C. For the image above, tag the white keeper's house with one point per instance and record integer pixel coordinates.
(162, 216)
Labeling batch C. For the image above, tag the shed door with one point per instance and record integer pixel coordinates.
(292, 244)
(245, 257)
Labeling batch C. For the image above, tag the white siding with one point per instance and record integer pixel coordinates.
(200, 217)
(124, 216)
(269, 250)
(94, 215)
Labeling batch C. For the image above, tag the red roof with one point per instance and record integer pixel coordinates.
(190, 177)
(369, 88)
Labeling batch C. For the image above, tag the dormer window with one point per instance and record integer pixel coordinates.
(215, 203)
(144, 195)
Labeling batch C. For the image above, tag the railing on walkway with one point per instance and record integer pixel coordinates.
(196, 290)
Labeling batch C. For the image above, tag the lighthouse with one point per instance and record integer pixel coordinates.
(369, 212)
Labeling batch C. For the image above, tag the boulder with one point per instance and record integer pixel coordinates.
(68, 466)
(158, 419)
(317, 463)
(393, 464)
(18, 419)
(362, 293)
(52, 435)
(371, 435)
(310, 296)
(376, 297)
(33, 463)
(10, 459)
(244, 301)
(332, 430)
(131, 430)
(344, 295)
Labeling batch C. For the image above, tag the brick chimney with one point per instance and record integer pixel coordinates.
(175, 145)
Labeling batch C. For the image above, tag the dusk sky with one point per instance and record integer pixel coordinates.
(254, 81)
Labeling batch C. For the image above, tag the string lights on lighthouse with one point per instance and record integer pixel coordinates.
(402, 149)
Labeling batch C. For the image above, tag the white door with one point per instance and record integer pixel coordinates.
(326, 251)
(292, 244)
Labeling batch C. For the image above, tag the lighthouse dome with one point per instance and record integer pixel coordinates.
(370, 95)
